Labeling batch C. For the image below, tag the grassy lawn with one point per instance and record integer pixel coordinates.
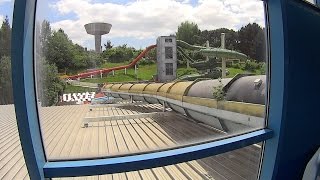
(110, 65)
(77, 89)
(144, 73)
(184, 71)
(234, 71)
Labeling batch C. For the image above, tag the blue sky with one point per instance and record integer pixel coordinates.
(138, 23)
(6, 8)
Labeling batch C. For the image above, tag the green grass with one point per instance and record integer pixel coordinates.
(144, 73)
(77, 89)
(258, 72)
(111, 65)
(233, 72)
(184, 71)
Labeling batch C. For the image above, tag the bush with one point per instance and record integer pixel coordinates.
(263, 68)
(50, 85)
(119, 54)
(251, 66)
(236, 66)
(144, 61)
(218, 92)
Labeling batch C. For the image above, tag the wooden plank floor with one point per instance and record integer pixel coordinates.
(64, 138)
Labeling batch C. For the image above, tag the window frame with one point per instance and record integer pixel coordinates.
(29, 126)
(169, 70)
(169, 54)
(24, 91)
(168, 40)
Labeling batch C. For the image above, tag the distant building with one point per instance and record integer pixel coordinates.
(166, 58)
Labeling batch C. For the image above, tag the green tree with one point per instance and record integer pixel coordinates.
(52, 85)
(60, 50)
(5, 38)
(80, 58)
(5, 81)
(45, 35)
(188, 32)
(252, 42)
(93, 59)
(152, 54)
(214, 38)
(5, 63)
(119, 54)
(108, 45)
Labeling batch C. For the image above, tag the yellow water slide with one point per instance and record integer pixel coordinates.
(195, 99)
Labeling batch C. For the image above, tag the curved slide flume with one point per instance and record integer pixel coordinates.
(186, 45)
(213, 52)
(184, 54)
(107, 70)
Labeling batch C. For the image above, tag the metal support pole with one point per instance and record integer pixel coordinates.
(208, 46)
(135, 69)
(223, 60)
(113, 73)
(125, 70)
(101, 74)
(223, 68)
(223, 40)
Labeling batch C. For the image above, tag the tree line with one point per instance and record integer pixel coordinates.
(70, 57)
(6, 95)
(58, 49)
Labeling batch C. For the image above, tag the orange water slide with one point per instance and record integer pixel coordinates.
(107, 70)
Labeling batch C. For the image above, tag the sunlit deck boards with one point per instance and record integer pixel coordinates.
(12, 165)
(64, 137)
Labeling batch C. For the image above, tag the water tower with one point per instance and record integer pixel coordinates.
(98, 29)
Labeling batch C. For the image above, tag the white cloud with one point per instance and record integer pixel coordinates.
(145, 19)
(4, 1)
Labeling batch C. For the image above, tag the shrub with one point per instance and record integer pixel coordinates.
(237, 66)
(263, 68)
(251, 66)
(185, 71)
(218, 92)
(144, 61)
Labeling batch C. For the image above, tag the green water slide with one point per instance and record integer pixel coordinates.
(186, 45)
(184, 55)
(198, 64)
(212, 52)
(211, 63)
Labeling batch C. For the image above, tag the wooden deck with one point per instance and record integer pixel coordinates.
(65, 138)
